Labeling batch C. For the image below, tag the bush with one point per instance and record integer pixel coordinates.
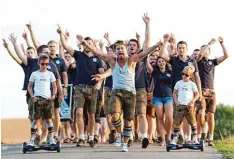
(224, 121)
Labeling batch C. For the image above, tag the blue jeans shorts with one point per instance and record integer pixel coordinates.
(161, 101)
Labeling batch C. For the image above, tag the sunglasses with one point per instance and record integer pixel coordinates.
(183, 74)
(44, 64)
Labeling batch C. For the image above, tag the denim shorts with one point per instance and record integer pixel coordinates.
(160, 101)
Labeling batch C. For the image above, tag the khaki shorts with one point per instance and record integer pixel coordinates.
(141, 101)
(107, 100)
(150, 110)
(29, 101)
(123, 99)
(182, 111)
(42, 109)
(209, 100)
(98, 111)
(85, 93)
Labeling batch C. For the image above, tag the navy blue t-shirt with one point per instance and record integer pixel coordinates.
(108, 82)
(150, 82)
(206, 71)
(60, 64)
(86, 67)
(71, 75)
(162, 85)
(178, 66)
(140, 78)
(26, 70)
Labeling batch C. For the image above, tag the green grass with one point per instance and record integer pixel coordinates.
(226, 147)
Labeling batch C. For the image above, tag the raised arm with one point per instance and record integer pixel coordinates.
(69, 49)
(18, 50)
(106, 36)
(29, 44)
(146, 43)
(138, 37)
(96, 51)
(101, 44)
(149, 67)
(34, 40)
(205, 49)
(144, 53)
(225, 52)
(162, 52)
(11, 52)
(61, 49)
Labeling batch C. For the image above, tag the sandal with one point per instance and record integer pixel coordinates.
(67, 140)
(75, 140)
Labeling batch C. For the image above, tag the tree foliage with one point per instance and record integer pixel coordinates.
(224, 121)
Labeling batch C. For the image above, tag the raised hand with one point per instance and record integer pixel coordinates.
(172, 39)
(159, 43)
(106, 35)
(79, 38)
(29, 26)
(220, 39)
(13, 38)
(166, 37)
(78, 44)
(95, 42)
(24, 35)
(101, 44)
(137, 36)
(66, 35)
(126, 42)
(212, 41)
(5, 44)
(145, 18)
(59, 30)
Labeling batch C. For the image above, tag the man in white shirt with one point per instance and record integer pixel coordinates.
(39, 90)
(185, 94)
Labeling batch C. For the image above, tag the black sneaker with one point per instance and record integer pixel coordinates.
(92, 143)
(80, 143)
(96, 139)
(180, 140)
(159, 140)
(203, 136)
(112, 136)
(129, 143)
(145, 143)
(136, 137)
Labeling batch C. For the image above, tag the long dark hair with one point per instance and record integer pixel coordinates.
(168, 66)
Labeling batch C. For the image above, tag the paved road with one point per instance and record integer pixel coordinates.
(106, 151)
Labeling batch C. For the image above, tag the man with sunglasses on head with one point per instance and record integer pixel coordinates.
(178, 63)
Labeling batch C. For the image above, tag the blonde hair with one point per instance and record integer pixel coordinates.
(189, 70)
(51, 42)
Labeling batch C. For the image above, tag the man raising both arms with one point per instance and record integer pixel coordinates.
(123, 90)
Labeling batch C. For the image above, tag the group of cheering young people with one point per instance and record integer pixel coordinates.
(133, 87)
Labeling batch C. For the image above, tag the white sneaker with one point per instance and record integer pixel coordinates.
(124, 147)
(30, 143)
(174, 141)
(44, 140)
(52, 141)
(118, 140)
